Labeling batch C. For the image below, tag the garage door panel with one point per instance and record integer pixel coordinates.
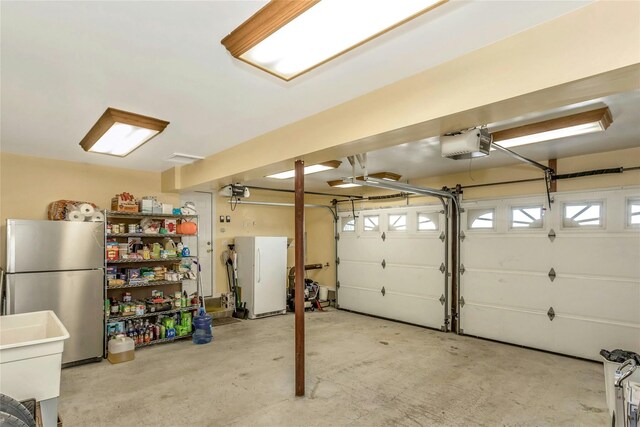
(415, 251)
(595, 292)
(597, 298)
(589, 255)
(361, 299)
(362, 273)
(411, 277)
(512, 290)
(581, 338)
(415, 280)
(417, 310)
(362, 248)
(518, 327)
(523, 253)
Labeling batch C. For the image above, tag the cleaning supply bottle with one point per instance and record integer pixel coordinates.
(204, 330)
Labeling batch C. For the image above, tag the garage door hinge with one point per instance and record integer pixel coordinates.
(442, 299)
(442, 268)
(551, 313)
(337, 284)
(442, 236)
(383, 264)
(552, 235)
(552, 274)
(462, 302)
(462, 236)
(462, 270)
(383, 291)
(338, 260)
(338, 236)
(384, 236)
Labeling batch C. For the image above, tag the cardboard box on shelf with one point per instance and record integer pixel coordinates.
(124, 203)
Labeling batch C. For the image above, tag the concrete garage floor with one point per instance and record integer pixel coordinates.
(361, 371)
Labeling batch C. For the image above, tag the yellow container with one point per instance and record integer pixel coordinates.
(121, 349)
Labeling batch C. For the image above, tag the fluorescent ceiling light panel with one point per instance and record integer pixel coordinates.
(320, 167)
(345, 183)
(562, 127)
(118, 132)
(339, 183)
(289, 38)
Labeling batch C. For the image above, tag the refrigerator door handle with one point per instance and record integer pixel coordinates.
(4, 293)
(259, 266)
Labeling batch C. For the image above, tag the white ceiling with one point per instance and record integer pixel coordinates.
(64, 63)
(422, 158)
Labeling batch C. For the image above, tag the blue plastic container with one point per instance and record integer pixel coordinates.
(204, 331)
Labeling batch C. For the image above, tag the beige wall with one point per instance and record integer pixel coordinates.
(251, 220)
(29, 184)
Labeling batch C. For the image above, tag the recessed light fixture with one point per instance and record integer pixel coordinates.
(320, 167)
(184, 159)
(561, 127)
(118, 132)
(344, 183)
(289, 38)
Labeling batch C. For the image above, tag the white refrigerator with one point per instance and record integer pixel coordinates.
(262, 274)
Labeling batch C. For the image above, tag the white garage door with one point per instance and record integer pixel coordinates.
(390, 264)
(572, 293)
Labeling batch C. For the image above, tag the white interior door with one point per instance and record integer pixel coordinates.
(202, 246)
(575, 292)
(390, 264)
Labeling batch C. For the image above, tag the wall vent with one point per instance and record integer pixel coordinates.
(183, 159)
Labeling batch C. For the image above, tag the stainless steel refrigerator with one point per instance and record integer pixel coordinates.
(59, 266)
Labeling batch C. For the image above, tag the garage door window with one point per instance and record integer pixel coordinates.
(582, 215)
(633, 212)
(371, 223)
(481, 219)
(398, 222)
(427, 221)
(348, 225)
(527, 217)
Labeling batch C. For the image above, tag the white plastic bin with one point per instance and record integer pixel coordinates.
(31, 346)
(609, 375)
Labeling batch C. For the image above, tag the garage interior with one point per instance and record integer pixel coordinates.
(465, 272)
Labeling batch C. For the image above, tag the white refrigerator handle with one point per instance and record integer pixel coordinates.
(259, 263)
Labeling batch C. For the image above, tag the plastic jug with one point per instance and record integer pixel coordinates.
(121, 349)
(170, 247)
(155, 251)
(204, 331)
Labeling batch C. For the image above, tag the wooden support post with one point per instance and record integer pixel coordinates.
(299, 285)
(553, 164)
